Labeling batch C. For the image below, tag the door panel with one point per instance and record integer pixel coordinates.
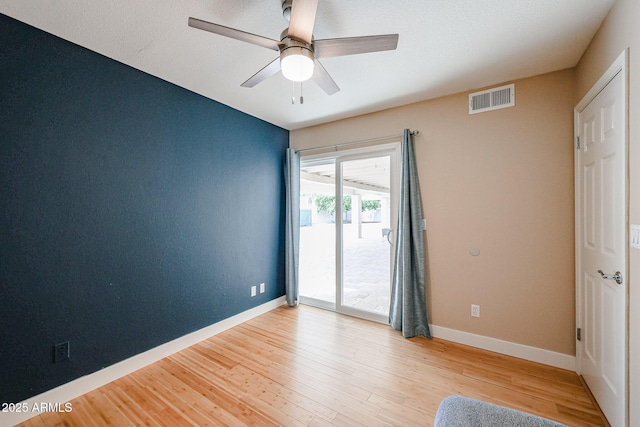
(610, 238)
(366, 251)
(590, 312)
(589, 206)
(317, 263)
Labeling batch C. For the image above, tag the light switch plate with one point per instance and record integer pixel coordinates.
(635, 236)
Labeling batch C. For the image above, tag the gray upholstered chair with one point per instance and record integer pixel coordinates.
(459, 411)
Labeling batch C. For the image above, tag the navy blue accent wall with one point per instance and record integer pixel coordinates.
(132, 211)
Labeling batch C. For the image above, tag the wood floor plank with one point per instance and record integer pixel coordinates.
(228, 403)
(34, 422)
(308, 367)
(397, 414)
(134, 412)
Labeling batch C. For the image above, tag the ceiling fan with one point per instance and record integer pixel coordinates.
(299, 52)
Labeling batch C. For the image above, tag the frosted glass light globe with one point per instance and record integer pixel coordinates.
(297, 64)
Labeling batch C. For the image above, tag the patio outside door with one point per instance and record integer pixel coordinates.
(354, 275)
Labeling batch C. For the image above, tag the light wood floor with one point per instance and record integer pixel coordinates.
(310, 367)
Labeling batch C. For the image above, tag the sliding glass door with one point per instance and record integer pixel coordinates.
(346, 247)
(317, 265)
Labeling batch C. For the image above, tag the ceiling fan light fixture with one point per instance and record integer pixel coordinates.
(297, 63)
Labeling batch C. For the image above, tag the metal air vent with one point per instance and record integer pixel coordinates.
(492, 99)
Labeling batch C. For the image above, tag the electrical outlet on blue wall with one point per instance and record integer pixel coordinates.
(61, 352)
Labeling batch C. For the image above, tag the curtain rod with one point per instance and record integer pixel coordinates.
(362, 141)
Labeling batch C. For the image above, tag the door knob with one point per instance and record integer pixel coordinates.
(617, 276)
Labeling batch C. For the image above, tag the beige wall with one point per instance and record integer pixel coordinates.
(501, 181)
(620, 31)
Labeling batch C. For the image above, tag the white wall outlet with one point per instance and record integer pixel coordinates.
(635, 236)
(261, 288)
(475, 310)
(253, 291)
(424, 224)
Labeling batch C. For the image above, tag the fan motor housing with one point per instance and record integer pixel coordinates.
(291, 46)
(290, 41)
(296, 50)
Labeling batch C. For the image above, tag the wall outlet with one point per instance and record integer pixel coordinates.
(475, 310)
(253, 291)
(635, 236)
(261, 288)
(61, 352)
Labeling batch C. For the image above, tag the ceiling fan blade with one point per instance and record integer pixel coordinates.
(235, 34)
(303, 16)
(324, 80)
(328, 48)
(268, 71)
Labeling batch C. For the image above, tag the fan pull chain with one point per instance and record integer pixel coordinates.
(293, 93)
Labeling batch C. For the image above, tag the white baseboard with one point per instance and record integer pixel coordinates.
(534, 354)
(82, 385)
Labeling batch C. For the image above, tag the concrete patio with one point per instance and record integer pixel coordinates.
(366, 266)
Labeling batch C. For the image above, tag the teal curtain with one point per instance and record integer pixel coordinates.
(292, 225)
(408, 311)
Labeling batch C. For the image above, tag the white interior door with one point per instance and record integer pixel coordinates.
(601, 248)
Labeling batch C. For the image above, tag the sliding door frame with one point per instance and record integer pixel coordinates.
(392, 150)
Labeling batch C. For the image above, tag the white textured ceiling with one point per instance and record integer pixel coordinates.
(445, 46)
